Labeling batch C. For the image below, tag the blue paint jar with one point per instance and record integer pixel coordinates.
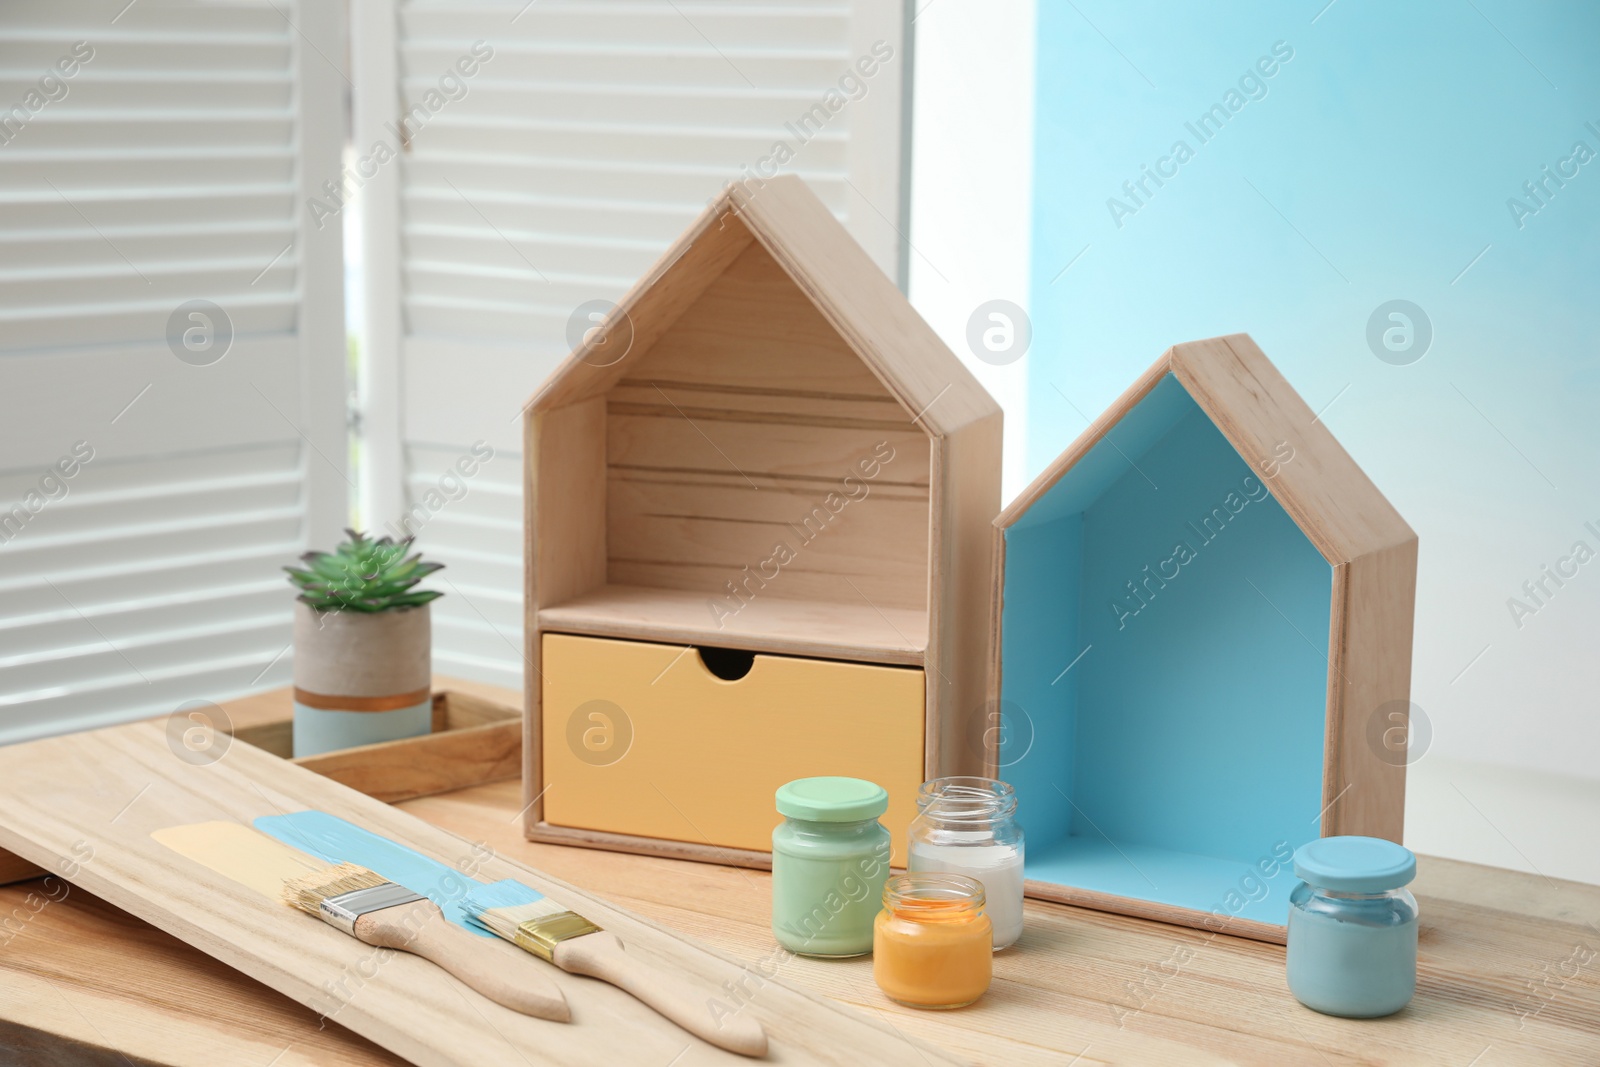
(1353, 927)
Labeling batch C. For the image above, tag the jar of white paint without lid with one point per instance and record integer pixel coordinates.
(1353, 927)
(968, 826)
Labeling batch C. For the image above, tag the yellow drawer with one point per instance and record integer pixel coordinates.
(643, 739)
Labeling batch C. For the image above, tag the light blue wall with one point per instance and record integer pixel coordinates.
(1376, 166)
(1164, 678)
(1203, 700)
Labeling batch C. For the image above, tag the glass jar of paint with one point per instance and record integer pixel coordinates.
(932, 944)
(830, 857)
(968, 826)
(1353, 927)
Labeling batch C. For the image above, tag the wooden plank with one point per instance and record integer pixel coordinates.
(86, 984)
(564, 501)
(16, 869)
(1369, 692)
(1497, 972)
(811, 540)
(753, 329)
(857, 632)
(648, 310)
(863, 305)
(820, 405)
(670, 441)
(962, 582)
(532, 754)
(1133, 991)
(1137, 908)
(1091, 436)
(993, 721)
(857, 300)
(485, 748)
(1258, 411)
(113, 787)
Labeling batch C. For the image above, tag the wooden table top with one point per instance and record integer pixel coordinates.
(1509, 973)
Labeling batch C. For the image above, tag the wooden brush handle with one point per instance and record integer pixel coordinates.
(600, 955)
(515, 980)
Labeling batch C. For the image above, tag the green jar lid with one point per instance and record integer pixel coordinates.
(831, 799)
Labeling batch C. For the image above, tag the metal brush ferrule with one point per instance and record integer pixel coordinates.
(541, 936)
(343, 910)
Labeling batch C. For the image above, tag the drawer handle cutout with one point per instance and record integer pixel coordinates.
(729, 664)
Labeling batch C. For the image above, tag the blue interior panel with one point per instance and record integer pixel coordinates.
(1164, 669)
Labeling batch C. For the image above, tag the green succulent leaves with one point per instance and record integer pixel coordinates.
(364, 575)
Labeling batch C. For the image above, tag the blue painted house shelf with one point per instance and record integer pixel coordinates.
(1204, 648)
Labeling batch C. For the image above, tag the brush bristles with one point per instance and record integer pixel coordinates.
(503, 922)
(309, 891)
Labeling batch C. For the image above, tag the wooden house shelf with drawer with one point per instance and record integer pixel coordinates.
(759, 496)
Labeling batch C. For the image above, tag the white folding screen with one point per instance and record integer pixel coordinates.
(172, 383)
(525, 158)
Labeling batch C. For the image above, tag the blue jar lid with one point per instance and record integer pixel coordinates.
(1355, 864)
(832, 799)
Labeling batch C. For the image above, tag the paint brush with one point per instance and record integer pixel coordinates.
(531, 921)
(380, 913)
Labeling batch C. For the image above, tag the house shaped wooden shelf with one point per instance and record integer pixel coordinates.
(1204, 648)
(759, 498)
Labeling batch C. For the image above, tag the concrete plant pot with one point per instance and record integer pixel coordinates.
(360, 678)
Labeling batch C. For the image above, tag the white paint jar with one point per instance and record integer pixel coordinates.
(968, 826)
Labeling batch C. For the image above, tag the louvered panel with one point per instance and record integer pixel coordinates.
(570, 257)
(174, 167)
(477, 624)
(167, 202)
(148, 176)
(55, 250)
(166, 89)
(139, 545)
(140, 50)
(33, 19)
(683, 188)
(496, 661)
(148, 651)
(541, 99)
(645, 225)
(638, 143)
(161, 128)
(585, 106)
(117, 588)
(49, 634)
(647, 24)
(120, 696)
(156, 569)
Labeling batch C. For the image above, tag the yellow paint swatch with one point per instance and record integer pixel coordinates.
(234, 851)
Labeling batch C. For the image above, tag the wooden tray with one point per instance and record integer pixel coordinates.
(474, 741)
(87, 803)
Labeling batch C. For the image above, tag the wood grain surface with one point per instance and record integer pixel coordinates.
(90, 802)
(1509, 974)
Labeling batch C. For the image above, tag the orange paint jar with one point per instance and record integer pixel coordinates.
(932, 944)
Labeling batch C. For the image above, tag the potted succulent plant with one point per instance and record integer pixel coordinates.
(362, 645)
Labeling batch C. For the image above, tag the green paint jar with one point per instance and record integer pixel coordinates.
(830, 857)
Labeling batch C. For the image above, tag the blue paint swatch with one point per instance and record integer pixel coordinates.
(335, 840)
